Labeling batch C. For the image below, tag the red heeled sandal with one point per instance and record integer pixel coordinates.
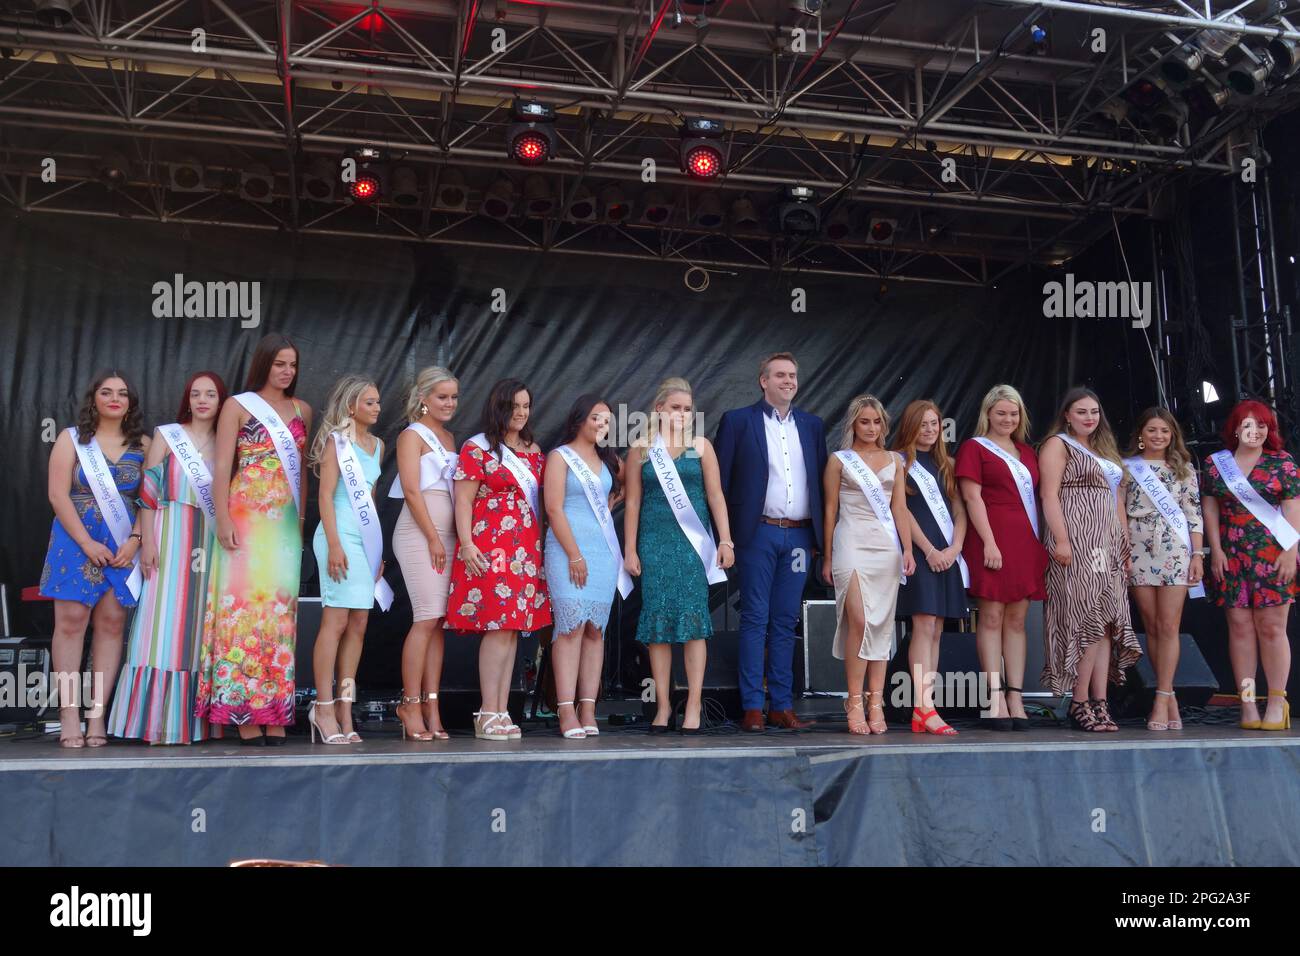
(920, 723)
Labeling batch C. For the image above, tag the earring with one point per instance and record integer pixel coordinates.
(424, 409)
(1141, 444)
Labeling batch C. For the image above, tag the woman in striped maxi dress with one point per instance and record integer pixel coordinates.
(1088, 637)
(156, 691)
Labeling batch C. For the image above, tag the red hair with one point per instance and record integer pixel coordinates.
(1250, 408)
(184, 416)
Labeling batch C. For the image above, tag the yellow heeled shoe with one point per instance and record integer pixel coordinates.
(1285, 722)
(1250, 724)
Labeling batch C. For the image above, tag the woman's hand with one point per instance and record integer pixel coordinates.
(1196, 571)
(934, 560)
(337, 563)
(472, 558)
(578, 571)
(100, 555)
(437, 555)
(1218, 564)
(909, 563)
(726, 556)
(632, 563)
(226, 534)
(828, 578)
(992, 557)
(126, 554)
(1285, 568)
(148, 558)
(1062, 554)
(382, 565)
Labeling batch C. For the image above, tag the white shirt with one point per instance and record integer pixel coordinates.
(787, 478)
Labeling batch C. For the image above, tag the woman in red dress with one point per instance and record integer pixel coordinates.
(1007, 562)
(498, 579)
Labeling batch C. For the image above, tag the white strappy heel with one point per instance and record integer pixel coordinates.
(352, 736)
(492, 728)
(315, 727)
(591, 729)
(577, 733)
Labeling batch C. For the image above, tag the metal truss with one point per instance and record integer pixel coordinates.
(1261, 330)
(939, 114)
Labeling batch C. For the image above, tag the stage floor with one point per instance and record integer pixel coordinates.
(1207, 795)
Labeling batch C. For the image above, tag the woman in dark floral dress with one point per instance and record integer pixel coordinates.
(498, 578)
(1252, 575)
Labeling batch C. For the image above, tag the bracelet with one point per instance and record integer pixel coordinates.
(135, 534)
(578, 561)
(931, 551)
(727, 543)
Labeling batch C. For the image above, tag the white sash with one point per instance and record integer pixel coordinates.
(1149, 481)
(112, 506)
(524, 476)
(1113, 472)
(436, 465)
(285, 446)
(933, 497)
(1024, 481)
(1270, 517)
(354, 482)
(671, 483)
(193, 467)
(869, 482)
(597, 498)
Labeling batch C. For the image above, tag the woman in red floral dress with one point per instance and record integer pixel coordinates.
(498, 579)
(1251, 575)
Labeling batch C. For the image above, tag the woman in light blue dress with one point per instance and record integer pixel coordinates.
(347, 586)
(581, 570)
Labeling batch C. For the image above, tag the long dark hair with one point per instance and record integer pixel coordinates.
(498, 409)
(1177, 456)
(88, 416)
(186, 414)
(264, 357)
(582, 407)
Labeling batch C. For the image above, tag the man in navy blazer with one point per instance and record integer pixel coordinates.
(772, 457)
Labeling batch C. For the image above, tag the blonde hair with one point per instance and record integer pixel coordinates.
(855, 409)
(426, 380)
(669, 386)
(337, 416)
(1003, 393)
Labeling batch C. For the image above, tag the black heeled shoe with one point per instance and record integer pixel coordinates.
(253, 741)
(1017, 723)
(667, 728)
(1000, 724)
(276, 741)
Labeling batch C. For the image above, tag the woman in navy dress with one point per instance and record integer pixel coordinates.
(86, 570)
(581, 571)
(936, 591)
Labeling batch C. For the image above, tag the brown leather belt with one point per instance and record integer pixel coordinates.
(787, 522)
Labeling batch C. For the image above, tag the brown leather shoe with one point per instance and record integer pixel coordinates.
(787, 720)
(752, 721)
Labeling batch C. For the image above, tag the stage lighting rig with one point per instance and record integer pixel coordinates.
(1038, 40)
(186, 176)
(319, 177)
(796, 212)
(452, 194)
(1181, 67)
(368, 184)
(810, 8)
(743, 213)
(614, 204)
(708, 212)
(1286, 58)
(702, 153)
(1247, 74)
(114, 170)
(55, 13)
(530, 137)
(257, 183)
(881, 230)
(499, 200)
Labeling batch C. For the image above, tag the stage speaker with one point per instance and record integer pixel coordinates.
(721, 668)
(1194, 681)
(24, 679)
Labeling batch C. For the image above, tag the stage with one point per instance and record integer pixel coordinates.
(1208, 795)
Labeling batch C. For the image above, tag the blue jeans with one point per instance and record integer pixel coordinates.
(773, 568)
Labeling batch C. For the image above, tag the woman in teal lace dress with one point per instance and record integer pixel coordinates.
(674, 579)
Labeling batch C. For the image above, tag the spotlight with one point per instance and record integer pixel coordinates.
(708, 212)
(1206, 101)
(1181, 66)
(655, 209)
(54, 13)
(1209, 394)
(582, 207)
(838, 226)
(1168, 118)
(743, 213)
(531, 137)
(185, 176)
(366, 188)
(812, 8)
(614, 204)
(701, 153)
(452, 194)
(537, 196)
(881, 230)
(795, 212)
(1217, 43)
(1247, 75)
(319, 177)
(1038, 40)
(114, 170)
(257, 183)
(405, 189)
(1145, 93)
(1286, 58)
(499, 200)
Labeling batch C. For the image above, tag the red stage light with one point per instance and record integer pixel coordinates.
(704, 162)
(531, 149)
(881, 230)
(365, 188)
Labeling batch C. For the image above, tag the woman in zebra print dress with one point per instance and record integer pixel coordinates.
(1087, 633)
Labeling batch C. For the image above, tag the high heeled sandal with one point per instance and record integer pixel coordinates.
(432, 696)
(490, 727)
(335, 739)
(1082, 717)
(920, 723)
(996, 723)
(1249, 724)
(591, 729)
(516, 732)
(576, 733)
(1285, 722)
(74, 741)
(352, 736)
(414, 735)
(1017, 723)
(880, 726)
(1160, 724)
(1101, 707)
(858, 726)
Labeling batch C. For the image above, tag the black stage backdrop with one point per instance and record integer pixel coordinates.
(78, 296)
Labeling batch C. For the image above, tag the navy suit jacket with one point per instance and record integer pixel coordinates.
(741, 445)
